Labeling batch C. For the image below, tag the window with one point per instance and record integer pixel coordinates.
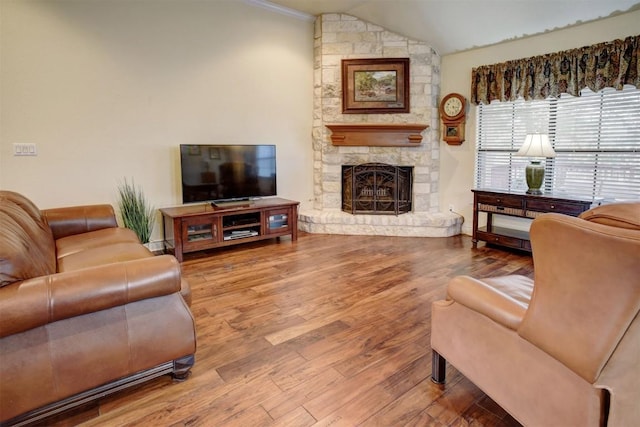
(596, 138)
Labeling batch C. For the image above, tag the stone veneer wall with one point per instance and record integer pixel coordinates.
(337, 37)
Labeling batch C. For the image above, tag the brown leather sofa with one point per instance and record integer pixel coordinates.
(85, 309)
(562, 349)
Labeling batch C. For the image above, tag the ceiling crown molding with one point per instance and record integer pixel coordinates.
(281, 9)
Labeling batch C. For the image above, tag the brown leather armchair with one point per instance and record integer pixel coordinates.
(562, 349)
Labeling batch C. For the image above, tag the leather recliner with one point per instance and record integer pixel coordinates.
(562, 349)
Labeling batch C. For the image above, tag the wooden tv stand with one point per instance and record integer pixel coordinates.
(191, 228)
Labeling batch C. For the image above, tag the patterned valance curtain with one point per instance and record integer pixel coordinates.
(611, 64)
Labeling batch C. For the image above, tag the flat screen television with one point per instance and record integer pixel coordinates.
(216, 173)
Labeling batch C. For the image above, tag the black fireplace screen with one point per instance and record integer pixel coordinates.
(376, 188)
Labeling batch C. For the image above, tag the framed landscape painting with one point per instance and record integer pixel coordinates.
(375, 85)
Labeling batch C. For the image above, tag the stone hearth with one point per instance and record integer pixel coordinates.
(408, 225)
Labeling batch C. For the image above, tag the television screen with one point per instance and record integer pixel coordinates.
(227, 172)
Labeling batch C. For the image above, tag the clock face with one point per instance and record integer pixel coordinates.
(452, 106)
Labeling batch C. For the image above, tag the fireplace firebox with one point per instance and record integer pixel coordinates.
(377, 188)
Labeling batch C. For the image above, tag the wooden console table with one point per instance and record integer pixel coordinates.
(521, 205)
(192, 228)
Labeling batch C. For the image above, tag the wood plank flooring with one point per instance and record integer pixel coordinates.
(327, 331)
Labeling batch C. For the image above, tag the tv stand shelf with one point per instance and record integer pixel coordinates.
(191, 228)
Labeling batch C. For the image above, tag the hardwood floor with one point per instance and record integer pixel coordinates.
(327, 331)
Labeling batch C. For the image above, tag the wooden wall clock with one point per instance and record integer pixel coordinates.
(453, 114)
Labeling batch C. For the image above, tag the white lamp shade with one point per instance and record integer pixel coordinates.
(536, 145)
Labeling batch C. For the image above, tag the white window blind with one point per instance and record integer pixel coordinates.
(596, 138)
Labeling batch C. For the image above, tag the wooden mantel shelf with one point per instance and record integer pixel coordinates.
(377, 134)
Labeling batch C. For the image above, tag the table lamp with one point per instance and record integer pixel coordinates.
(535, 145)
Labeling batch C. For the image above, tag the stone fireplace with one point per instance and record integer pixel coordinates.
(407, 139)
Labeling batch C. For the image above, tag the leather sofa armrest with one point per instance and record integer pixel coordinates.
(79, 219)
(489, 300)
(46, 299)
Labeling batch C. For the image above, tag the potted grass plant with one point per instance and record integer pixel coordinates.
(135, 211)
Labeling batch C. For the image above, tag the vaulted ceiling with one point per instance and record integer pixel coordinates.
(456, 25)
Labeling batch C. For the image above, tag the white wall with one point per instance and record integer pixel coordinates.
(457, 162)
(109, 89)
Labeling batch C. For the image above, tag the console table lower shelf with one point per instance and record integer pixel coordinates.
(192, 228)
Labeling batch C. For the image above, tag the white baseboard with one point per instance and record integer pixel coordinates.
(156, 246)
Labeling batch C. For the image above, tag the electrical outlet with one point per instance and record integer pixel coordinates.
(451, 208)
(20, 149)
